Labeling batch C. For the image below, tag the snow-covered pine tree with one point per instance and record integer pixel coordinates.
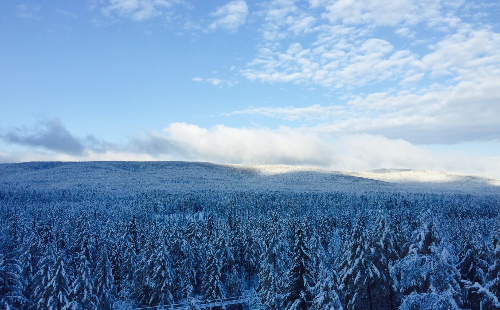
(234, 261)
(176, 254)
(11, 284)
(83, 243)
(116, 257)
(132, 235)
(326, 289)
(104, 282)
(129, 248)
(300, 277)
(250, 256)
(161, 277)
(326, 297)
(427, 277)
(490, 292)
(42, 277)
(29, 259)
(212, 282)
(355, 270)
(228, 269)
(269, 286)
(380, 259)
(187, 272)
(193, 258)
(472, 269)
(143, 284)
(56, 295)
(83, 294)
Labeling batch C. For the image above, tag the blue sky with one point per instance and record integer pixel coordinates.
(338, 84)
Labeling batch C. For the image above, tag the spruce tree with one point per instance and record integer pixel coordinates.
(29, 259)
(490, 292)
(356, 270)
(104, 282)
(143, 284)
(187, 271)
(427, 276)
(250, 256)
(472, 269)
(83, 296)
(269, 286)
(300, 279)
(56, 295)
(380, 259)
(193, 260)
(161, 277)
(43, 276)
(327, 297)
(212, 282)
(11, 284)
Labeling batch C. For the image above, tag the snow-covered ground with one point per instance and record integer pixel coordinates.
(122, 177)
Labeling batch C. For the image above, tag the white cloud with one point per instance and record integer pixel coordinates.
(368, 152)
(230, 16)
(412, 78)
(137, 10)
(278, 15)
(315, 111)
(405, 32)
(379, 13)
(249, 145)
(343, 64)
(465, 112)
(28, 11)
(215, 81)
(464, 50)
(285, 145)
(295, 146)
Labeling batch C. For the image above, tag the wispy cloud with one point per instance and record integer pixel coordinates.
(215, 81)
(315, 111)
(230, 16)
(137, 10)
(28, 11)
(66, 13)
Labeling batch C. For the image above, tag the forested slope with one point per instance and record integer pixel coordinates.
(123, 235)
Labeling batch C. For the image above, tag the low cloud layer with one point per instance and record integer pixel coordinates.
(222, 144)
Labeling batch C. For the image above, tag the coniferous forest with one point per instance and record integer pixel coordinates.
(275, 249)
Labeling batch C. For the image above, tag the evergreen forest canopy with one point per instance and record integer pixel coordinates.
(97, 244)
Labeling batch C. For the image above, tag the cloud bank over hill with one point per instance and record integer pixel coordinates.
(222, 144)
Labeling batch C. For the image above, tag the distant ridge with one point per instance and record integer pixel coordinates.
(124, 177)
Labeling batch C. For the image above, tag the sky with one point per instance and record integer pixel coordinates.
(348, 85)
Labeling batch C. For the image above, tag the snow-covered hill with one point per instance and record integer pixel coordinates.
(123, 177)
